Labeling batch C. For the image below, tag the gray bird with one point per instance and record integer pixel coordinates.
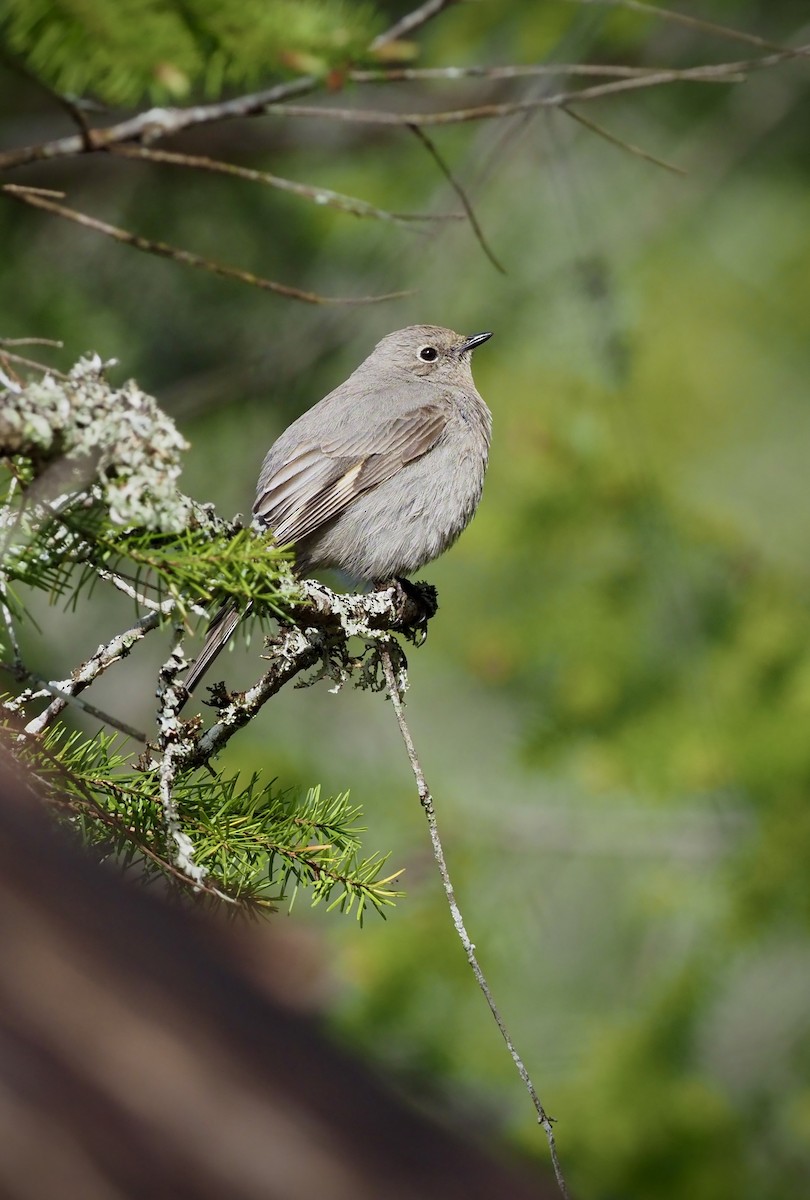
(383, 474)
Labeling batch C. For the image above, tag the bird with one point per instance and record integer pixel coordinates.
(382, 475)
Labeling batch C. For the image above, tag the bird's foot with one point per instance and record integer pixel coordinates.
(416, 604)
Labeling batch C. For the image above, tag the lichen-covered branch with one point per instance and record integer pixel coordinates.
(91, 496)
(319, 631)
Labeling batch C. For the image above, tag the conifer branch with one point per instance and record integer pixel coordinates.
(118, 518)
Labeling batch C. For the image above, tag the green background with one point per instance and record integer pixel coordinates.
(613, 704)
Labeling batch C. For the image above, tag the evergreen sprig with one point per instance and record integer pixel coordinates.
(83, 462)
(206, 561)
(207, 45)
(259, 844)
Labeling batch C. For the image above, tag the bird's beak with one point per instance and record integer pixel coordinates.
(474, 339)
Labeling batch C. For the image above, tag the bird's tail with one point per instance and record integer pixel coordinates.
(220, 632)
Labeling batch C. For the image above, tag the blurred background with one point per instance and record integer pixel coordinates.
(613, 704)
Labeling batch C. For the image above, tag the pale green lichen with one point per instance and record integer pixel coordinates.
(133, 447)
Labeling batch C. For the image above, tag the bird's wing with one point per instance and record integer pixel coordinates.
(318, 480)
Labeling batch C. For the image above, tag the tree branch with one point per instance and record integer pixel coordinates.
(107, 654)
(157, 123)
(317, 195)
(411, 22)
(162, 122)
(396, 685)
(679, 18)
(323, 625)
(629, 147)
(725, 72)
(35, 198)
(462, 195)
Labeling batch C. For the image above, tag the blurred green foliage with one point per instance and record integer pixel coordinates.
(614, 703)
(122, 52)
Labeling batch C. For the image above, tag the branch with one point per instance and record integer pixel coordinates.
(629, 147)
(517, 71)
(162, 122)
(157, 123)
(411, 22)
(679, 18)
(32, 341)
(396, 686)
(462, 195)
(317, 195)
(18, 671)
(323, 625)
(35, 198)
(21, 360)
(170, 700)
(725, 72)
(108, 653)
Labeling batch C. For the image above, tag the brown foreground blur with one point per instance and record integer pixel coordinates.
(137, 1058)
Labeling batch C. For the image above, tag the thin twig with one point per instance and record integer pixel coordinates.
(462, 195)
(20, 672)
(156, 123)
(8, 621)
(162, 249)
(426, 800)
(411, 22)
(104, 657)
(162, 122)
(31, 362)
(70, 106)
(518, 71)
(32, 341)
(679, 18)
(630, 147)
(317, 195)
(488, 112)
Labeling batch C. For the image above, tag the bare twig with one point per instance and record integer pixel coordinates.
(519, 71)
(411, 22)
(426, 799)
(32, 341)
(124, 585)
(162, 122)
(21, 673)
(99, 714)
(8, 621)
(68, 103)
(108, 653)
(34, 197)
(31, 362)
(728, 72)
(462, 195)
(317, 195)
(630, 147)
(679, 18)
(157, 123)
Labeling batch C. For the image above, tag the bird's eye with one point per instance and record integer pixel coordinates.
(429, 353)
